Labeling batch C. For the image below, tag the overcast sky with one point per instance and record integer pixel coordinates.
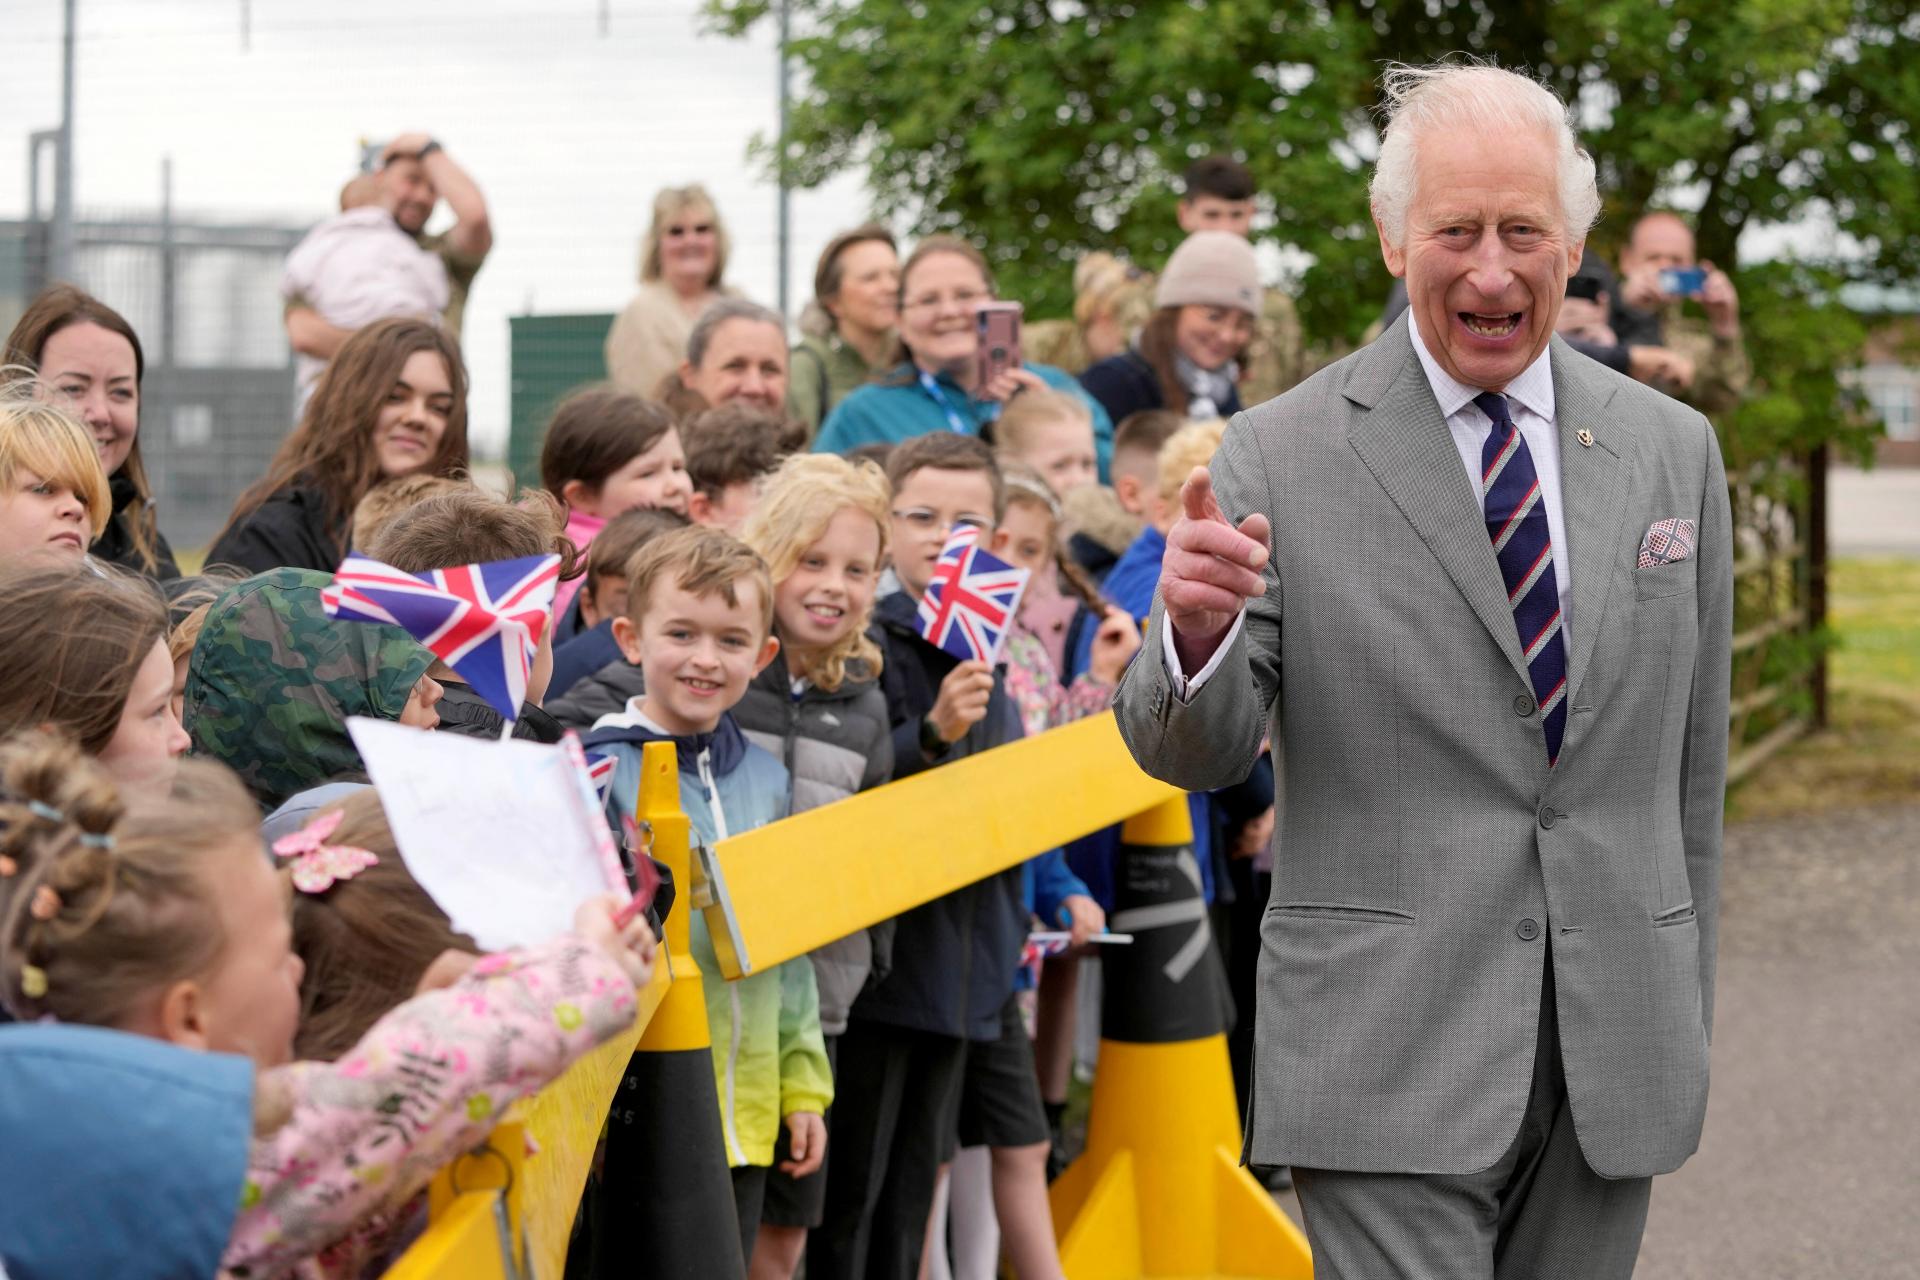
(568, 132)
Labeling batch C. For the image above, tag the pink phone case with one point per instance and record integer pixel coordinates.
(998, 324)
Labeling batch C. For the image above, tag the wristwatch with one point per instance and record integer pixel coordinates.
(433, 145)
(932, 745)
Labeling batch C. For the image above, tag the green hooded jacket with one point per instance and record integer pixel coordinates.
(273, 679)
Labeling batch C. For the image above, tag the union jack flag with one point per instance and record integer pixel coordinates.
(971, 600)
(1043, 944)
(600, 770)
(483, 620)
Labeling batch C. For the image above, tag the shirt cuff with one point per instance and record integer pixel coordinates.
(1185, 687)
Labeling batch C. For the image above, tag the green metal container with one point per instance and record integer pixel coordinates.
(550, 357)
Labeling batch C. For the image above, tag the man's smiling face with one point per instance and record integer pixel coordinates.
(1487, 253)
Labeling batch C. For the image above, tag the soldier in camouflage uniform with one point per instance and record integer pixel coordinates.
(1711, 371)
(1275, 360)
(1112, 299)
(272, 681)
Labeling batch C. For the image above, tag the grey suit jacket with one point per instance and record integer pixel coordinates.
(1427, 857)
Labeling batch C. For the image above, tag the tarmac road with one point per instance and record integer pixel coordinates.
(1810, 1167)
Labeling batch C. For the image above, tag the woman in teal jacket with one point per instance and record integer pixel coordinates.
(942, 285)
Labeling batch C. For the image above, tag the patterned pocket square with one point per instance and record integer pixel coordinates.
(1666, 541)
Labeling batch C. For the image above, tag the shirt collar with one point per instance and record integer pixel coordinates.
(1533, 388)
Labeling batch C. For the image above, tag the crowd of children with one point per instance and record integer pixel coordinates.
(890, 1105)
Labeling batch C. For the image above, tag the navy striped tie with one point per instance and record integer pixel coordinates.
(1517, 523)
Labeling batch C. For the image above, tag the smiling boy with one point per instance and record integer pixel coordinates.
(699, 625)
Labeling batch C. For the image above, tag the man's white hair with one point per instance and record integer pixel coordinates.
(1419, 101)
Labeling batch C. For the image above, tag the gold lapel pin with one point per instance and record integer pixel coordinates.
(1585, 437)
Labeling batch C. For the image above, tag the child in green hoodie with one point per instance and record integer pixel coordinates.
(699, 626)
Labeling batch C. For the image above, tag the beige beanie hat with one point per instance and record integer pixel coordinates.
(1211, 269)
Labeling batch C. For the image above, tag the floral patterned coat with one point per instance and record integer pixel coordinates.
(326, 1191)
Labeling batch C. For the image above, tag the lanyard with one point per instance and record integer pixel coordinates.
(931, 386)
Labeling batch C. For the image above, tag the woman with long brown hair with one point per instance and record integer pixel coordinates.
(88, 357)
(392, 403)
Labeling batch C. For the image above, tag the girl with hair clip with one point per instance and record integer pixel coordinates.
(53, 496)
(821, 526)
(88, 359)
(393, 402)
(87, 656)
(164, 921)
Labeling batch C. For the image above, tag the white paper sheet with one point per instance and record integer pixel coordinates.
(498, 833)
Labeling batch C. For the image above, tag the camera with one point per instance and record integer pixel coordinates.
(1683, 282)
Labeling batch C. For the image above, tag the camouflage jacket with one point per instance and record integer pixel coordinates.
(1275, 360)
(1721, 371)
(272, 681)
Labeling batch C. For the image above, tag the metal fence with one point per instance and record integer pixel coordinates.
(218, 395)
(1780, 606)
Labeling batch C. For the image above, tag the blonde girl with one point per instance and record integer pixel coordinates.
(163, 920)
(1051, 433)
(821, 526)
(53, 494)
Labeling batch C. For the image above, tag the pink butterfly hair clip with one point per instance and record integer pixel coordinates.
(317, 865)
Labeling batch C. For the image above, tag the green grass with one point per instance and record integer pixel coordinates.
(1870, 751)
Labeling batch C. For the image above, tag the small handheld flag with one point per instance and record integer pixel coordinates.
(483, 620)
(600, 770)
(971, 600)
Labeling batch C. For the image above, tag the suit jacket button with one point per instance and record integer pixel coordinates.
(1528, 929)
(1523, 705)
(1547, 816)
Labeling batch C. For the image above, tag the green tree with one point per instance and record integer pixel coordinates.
(1045, 128)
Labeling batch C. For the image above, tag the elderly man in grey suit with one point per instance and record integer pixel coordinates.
(1481, 589)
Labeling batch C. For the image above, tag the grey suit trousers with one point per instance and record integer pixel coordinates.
(1539, 1213)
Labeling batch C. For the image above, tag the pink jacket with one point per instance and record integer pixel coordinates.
(429, 1081)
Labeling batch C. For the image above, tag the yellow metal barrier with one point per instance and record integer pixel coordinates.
(803, 882)
(500, 1215)
(776, 893)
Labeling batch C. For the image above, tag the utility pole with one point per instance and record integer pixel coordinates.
(62, 247)
(782, 230)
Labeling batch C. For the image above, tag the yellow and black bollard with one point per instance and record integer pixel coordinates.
(1159, 1190)
(665, 1201)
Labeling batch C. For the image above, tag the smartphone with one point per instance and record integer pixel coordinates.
(998, 326)
(1583, 287)
(1683, 282)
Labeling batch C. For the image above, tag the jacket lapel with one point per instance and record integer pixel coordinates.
(1593, 488)
(1405, 443)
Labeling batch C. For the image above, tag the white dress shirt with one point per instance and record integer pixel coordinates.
(1530, 403)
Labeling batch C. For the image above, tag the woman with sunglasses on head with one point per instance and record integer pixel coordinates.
(935, 384)
(682, 261)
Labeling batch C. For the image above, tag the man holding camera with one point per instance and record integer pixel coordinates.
(1703, 364)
